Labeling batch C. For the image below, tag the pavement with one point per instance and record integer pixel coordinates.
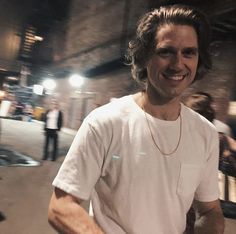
(25, 190)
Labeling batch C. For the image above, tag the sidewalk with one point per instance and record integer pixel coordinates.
(25, 191)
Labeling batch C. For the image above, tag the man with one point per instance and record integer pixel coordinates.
(53, 122)
(144, 158)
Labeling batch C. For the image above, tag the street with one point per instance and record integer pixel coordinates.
(25, 191)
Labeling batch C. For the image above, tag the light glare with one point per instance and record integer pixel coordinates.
(38, 89)
(76, 80)
(49, 84)
(38, 38)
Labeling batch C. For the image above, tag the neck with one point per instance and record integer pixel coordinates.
(166, 110)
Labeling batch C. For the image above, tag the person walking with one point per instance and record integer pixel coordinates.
(220, 126)
(201, 102)
(143, 158)
(53, 119)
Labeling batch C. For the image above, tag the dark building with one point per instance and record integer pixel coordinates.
(25, 49)
(90, 38)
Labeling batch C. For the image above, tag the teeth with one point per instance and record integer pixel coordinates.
(175, 77)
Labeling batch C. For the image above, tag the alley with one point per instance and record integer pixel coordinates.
(25, 191)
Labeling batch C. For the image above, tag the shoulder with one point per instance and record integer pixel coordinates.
(197, 122)
(111, 117)
(220, 123)
(107, 120)
(222, 127)
(202, 131)
(113, 110)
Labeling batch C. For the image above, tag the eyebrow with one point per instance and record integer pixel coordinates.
(193, 48)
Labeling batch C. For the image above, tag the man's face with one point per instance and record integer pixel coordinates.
(54, 105)
(173, 66)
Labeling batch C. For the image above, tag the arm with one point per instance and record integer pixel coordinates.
(210, 219)
(67, 216)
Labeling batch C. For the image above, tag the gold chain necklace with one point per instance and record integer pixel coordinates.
(180, 135)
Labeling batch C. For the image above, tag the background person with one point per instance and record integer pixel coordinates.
(144, 158)
(202, 103)
(220, 126)
(28, 112)
(53, 119)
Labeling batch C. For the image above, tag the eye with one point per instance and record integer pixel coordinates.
(164, 52)
(190, 52)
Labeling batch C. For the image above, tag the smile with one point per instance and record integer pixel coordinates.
(175, 77)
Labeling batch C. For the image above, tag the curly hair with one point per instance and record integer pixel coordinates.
(142, 47)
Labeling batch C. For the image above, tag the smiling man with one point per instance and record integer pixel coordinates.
(144, 158)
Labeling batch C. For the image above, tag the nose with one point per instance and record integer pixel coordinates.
(177, 61)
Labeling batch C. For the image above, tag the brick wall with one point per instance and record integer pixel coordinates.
(98, 31)
(94, 31)
(100, 90)
(97, 34)
(220, 82)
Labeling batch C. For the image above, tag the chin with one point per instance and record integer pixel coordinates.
(172, 94)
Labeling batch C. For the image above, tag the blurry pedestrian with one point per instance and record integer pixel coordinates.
(143, 158)
(53, 119)
(202, 103)
(28, 112)
(220, 126)
(19, 108)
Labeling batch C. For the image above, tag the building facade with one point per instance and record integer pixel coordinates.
(96, 35)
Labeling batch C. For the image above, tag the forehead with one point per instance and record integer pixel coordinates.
(176, 35)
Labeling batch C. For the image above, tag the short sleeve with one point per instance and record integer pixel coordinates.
(82, 166)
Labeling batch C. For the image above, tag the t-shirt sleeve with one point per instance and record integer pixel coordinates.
(82, 166)
(208, 189)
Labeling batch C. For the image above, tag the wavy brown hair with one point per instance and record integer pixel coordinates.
(142, 47)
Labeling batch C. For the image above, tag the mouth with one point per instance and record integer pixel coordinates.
(174, 77)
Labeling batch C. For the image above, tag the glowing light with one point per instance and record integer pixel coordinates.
(38, 89)
(38, 38)
(49, 84)
(232, 108)
(76, 80)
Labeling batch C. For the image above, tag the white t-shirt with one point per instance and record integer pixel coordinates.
(222, 127)
(134, 188)
(52, 119)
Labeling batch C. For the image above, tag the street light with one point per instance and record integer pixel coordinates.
(38, 89)
(49, 84)
(76, 80)
(38, 38)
